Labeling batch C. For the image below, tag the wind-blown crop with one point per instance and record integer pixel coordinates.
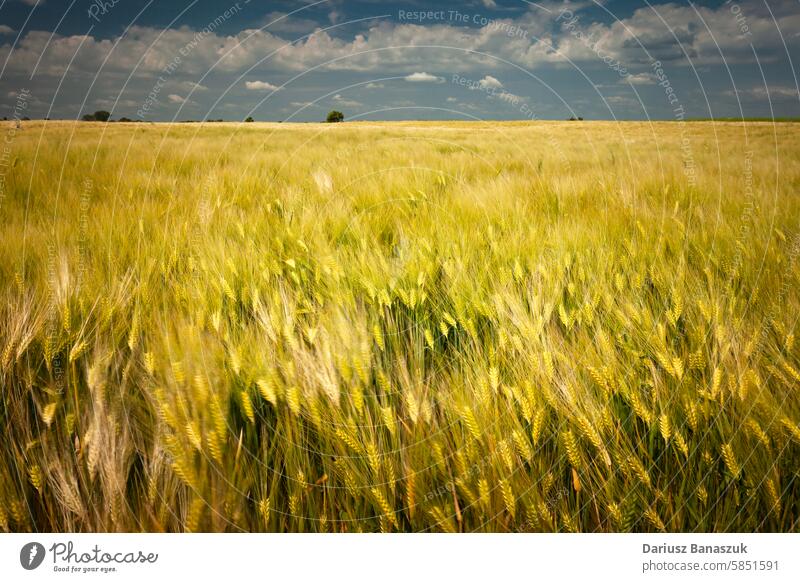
(400, 327)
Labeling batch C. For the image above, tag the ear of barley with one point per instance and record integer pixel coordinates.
(696, 360)
(615, 515)
(590, 433)
(665, 426)
(483, 493)
(412, 406)
(384, 506)
(640, 409)
(753, 428)
(194, 514)
(66, 318)
(666, 362)
(378, 336)
(267, 391)
(215, 441)
(411, 494)
(508, 498)
(597, 377)
(264, 509)
(348, 439)
(372, 458)
(572, 449)
(36, 477)
(193, 434)
(716, 383)
(357, 397)
(387, 413)
(691, 415)
(639, 470)
(471, 423)
(494, 378)
(772, 495)
(569, 523)
(677, 367)
(681, 444)
(441, 520)
(150, 362)
(484, 394)
(49, 413)
(429, 338)
(730, 460)
(293, 399)
(549, 368)
(314, 411)
(506, 454)
(522, 445)
(538, 425)
(702, 494)
(791, 427)
(791, 370)
(178, 373)
(133, 335)
(247, 406)
(653, 519)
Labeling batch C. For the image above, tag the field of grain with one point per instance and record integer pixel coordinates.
(581, 326)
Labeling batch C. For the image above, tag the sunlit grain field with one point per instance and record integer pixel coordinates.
(400, 327)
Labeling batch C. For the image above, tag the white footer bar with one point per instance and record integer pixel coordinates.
(353, 558)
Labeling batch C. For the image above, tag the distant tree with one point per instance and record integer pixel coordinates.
(97, 116)
(124, 120)
(335, 116)
(249, 120)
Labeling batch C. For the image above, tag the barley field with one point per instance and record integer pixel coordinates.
(400, 327)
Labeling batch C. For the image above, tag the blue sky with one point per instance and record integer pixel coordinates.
(484, 59)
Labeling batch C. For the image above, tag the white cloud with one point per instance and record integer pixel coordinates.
(762, 93)
(388, 46)
(5, 29)
(423, 78)
(509, 98)
(261, 86)
(173, 98)
(639, 79)
(622, 100)
(192, 86)
(676, 33)
(345, 102)
(490, 3)
(451, 99)
(489, 82)
(374, 86)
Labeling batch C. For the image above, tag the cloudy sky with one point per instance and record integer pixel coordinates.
(373, 59)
